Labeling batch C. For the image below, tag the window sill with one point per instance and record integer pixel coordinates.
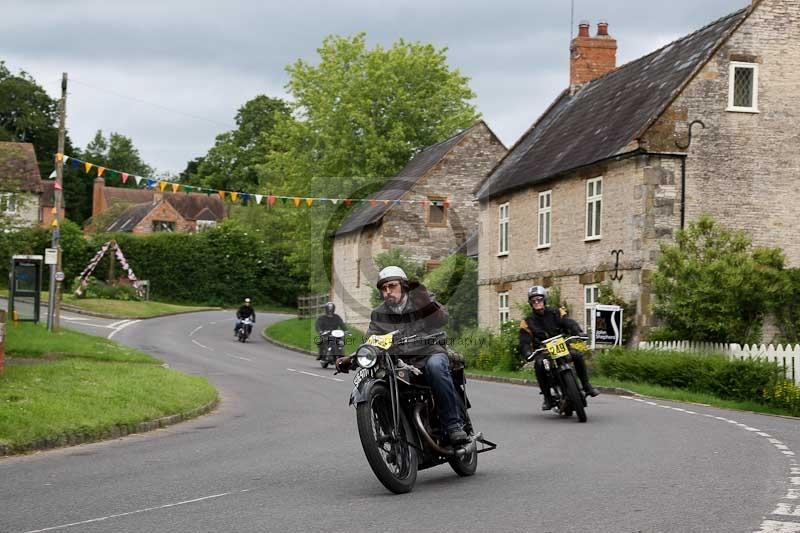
(543, 247)
(502, 254)
(590, 239)
(751, 110)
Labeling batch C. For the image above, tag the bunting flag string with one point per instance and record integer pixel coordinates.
(244, 197)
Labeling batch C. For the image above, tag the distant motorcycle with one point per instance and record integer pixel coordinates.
(332, 343)
(563, 380)
(396, 416)
(245, 329)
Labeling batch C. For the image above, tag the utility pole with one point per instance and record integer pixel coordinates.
(54, 300)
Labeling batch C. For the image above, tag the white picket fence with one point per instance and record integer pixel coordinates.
(788, 357)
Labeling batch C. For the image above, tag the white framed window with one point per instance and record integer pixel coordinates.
(594, 209)
(8, 203)
(743, 87)
(502, 248)
(204, 225)
(545, 207)
(503, 307)
(590, 295)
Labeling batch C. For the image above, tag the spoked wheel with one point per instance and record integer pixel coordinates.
(392, 459)
(574, 395)
(466, 464)
(323, 363)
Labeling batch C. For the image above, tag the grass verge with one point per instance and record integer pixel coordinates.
(300, 333)
(69, 383)
(653, 391)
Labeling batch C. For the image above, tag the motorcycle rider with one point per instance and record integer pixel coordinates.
(245, 311)
(409, 308)
(543, 323)
(327, 322)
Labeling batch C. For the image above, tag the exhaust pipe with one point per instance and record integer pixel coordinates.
(458, 452)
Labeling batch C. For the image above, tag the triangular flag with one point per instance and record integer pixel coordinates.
(296, 201)
(188, 188)
(151, 184)
(373, 202)
(221, 194)
(59, 157)
(271, 200)
(100, 171)
(53, 175)
(334, 201)
(87, 166)
(57, 185)
(76, 162)
(175, 187)
(284, 199)
(386, 202)
(397, 202)
(245, 198)
(258, 198)
(66, 158)
(309, 201)
(138, 179)
(125, 177)
(162, 185)
(234, 195)
(348, 201)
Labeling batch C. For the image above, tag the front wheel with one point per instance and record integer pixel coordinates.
(392, 459)
(323, 363)
(466, 464)
(574, 395)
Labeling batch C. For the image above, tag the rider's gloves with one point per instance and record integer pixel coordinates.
(344, 364)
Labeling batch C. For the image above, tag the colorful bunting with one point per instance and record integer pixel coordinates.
(309, 201)
(234, 195)
(296, 201)
(100, 171)
(271, 200)
(175, 187)
(258, 198)
(88, 167)
(125, 177)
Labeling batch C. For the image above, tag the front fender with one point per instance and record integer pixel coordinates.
(360, 392)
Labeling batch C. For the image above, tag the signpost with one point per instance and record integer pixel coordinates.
(606, 325)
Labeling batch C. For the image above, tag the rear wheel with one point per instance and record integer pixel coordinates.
(574, 395)
(392, 459)
(323, 364)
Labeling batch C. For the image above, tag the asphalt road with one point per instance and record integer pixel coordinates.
(282, 454)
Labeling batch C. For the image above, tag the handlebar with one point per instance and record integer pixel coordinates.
(544, 349)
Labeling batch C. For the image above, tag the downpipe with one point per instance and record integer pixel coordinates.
(458, 452)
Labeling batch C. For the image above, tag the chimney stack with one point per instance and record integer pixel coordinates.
(98, 198)
(591, 57)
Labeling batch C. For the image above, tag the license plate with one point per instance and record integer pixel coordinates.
(557, 348)
(360, 375)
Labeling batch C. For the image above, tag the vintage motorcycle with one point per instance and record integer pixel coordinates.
(396, 415)
(332, 342)
(558, 364)
(245, 329)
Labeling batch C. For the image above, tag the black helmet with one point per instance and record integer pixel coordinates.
(537, 290)
(330, 307)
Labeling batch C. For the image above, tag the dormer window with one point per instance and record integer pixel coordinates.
(743, 87)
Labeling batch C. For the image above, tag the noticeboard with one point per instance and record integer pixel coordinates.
(606, 325)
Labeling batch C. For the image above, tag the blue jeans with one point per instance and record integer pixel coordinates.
(437, 374)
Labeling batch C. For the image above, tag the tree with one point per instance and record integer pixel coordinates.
(232, 163)
(358, 117)
(116, 152)
(711, 285)
(455, 283)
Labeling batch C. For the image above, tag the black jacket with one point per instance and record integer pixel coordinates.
(328, 323)
(536, 328)
(421, 316)
(246, 311)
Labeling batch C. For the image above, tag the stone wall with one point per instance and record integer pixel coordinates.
(164, 212)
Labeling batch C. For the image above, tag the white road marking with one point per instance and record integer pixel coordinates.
(793, 494)
(772, 526)
(195, 330)
(314, 375)
(237, 357)
(202, 345)
(787, 510)
(794, 480)
(115, 324)
(122, 326)
(100, 519)
(74, 318)
(795, 470)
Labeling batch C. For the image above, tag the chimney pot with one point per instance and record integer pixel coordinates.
(583, 29)
(602, 28)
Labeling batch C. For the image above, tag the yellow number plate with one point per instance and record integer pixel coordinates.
(557, 348)
(384, 342)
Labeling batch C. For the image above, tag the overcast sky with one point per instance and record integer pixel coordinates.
(171, 74)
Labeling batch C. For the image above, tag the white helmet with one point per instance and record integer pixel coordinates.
(391, 273)
(247, 300)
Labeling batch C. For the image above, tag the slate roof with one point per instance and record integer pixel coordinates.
(397, 187)
(19, 170)
(128, 219)
(608, 113)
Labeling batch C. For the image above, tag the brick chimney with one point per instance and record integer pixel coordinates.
(591, 57)
(98, 198)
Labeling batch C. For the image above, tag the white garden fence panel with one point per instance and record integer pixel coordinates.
(788, 357)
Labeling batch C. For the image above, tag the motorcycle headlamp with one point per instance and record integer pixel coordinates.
(367, 356)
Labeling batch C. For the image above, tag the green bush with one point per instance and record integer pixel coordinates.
(455, 283)
(784, 394)
(730, 379)
(114, 291)
(484, 350)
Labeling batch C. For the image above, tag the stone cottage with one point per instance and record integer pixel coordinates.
(150, 210)
(709, 124)
(21, 185)
(440, 180)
